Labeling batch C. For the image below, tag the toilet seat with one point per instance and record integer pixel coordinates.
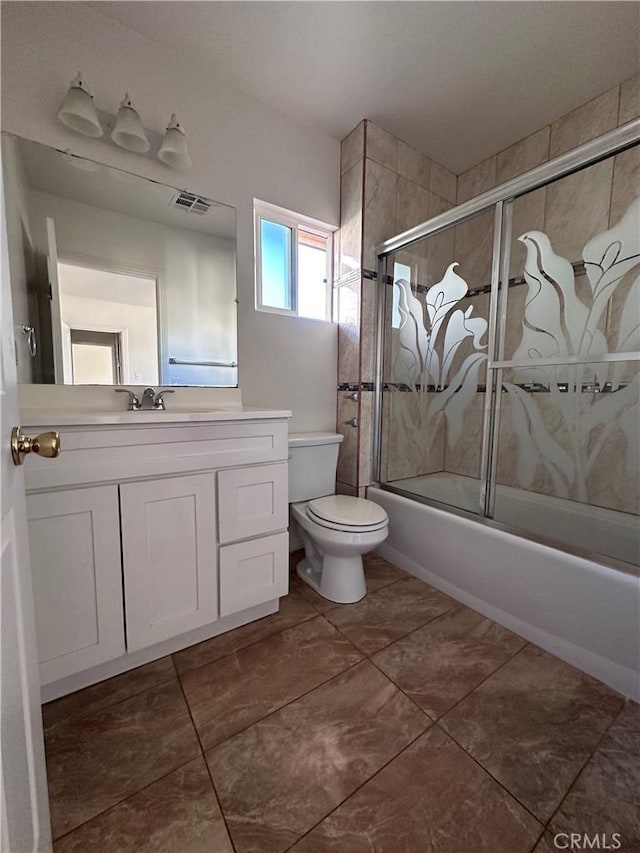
(342, 512)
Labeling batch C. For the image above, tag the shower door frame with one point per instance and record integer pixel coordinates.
(499, 199)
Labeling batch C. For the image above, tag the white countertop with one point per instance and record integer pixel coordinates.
(70, 417)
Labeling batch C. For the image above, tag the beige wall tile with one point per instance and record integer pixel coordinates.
(524, 155)
(347, 298)
(443, 183)
(368, 330)
(348, 455)
(463, 457)
(345, 489)
(578, 209)
(515, 316)
(609, 483)
(381, 146)
(440, 247)
(365, 449)
(474, 250)
(528, 215)
(352, 148)
(626, 182)
(588, 121)
(477, 180)
(379, 209)
(412, 205)
(350, 234)
(415, 435)
(414, 165)
(629, 100)
(348, 353)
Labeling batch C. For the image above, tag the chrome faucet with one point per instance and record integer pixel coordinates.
(134, 403)
(150, 399)
(158, 402)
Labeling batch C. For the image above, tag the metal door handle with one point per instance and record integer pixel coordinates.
(47, 444)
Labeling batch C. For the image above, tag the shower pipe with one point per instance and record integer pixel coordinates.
(499, 199)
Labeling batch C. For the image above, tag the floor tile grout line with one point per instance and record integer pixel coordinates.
(206, 764)
(281, 707)
(80, 715)
(125, 799)
(589, 758)
(396, 639)
(525, 645)
(308, 618)
(362, 785)
(469, 692)
(248, 645)
(538, 820)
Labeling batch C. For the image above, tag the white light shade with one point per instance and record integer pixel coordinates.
(174, 151)
(78, 110)
(129, 132)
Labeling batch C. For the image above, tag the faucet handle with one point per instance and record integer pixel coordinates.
(134, 403)
(158, 403)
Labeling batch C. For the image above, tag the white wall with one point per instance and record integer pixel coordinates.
(240, 148)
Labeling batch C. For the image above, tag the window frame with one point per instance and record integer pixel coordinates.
(263, 210)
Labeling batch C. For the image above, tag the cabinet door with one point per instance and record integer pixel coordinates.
(169, 557)
(74, 536)
(253, 572)
(252, 501)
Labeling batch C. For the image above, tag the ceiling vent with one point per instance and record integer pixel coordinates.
(191, 203)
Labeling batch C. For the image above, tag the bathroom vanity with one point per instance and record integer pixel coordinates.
(150, 532)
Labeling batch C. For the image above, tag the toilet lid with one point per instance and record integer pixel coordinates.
(347, 511)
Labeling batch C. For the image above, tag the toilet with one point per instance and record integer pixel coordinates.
(336, 530)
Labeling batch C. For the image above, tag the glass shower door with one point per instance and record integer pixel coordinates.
(568, 446)
(436, 317)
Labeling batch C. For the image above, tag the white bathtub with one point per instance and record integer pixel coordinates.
(582, 611)
(602, 531)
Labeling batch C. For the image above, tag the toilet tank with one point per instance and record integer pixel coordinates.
(313, 458)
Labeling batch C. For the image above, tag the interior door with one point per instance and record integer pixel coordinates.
(24, 803)
(56, 317)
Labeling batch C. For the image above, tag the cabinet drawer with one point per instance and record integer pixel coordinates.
(252, 501)
(74, 537)
(253, 572)
(169, 557)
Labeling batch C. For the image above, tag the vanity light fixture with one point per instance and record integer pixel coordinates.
(129, 132)
(78, 112)
(174, 151)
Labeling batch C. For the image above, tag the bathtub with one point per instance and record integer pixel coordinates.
(596, 529)
(584, 612)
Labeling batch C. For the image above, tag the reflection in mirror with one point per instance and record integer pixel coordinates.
(122, 280)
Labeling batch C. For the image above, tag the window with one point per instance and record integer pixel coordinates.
(294, 256)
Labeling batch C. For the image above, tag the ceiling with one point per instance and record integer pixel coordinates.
(457, 80)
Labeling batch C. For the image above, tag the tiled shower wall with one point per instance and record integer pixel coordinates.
(387, 187)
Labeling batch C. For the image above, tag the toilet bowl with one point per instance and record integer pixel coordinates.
(336, 531)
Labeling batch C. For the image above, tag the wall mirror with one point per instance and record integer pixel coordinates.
(116, 279)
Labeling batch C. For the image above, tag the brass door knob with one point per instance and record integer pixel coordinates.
(46, 444)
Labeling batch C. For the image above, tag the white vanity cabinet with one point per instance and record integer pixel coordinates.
(169, 557)
(148, 537)
(74, 538)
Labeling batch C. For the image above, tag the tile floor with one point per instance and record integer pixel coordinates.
(406, 723)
